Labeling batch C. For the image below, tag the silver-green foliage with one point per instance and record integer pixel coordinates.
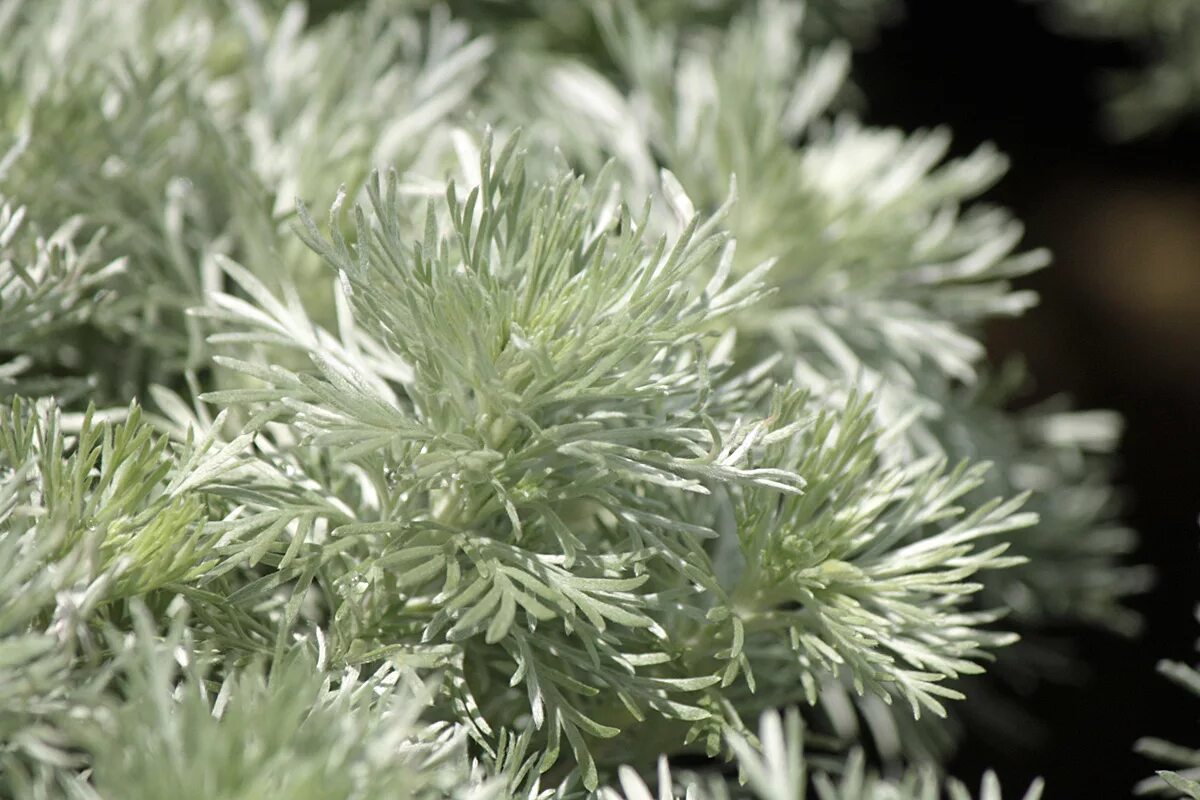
(49, 285)
(882, 273)
(886, 265)
(186, 131)
(569, 492)
(513, 467)
(294, 731)
(774, 769)
(85, 521)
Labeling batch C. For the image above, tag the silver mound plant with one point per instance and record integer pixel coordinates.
(629, 405)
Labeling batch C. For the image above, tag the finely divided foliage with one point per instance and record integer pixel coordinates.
(49, 284)
(548, 454)
(545, 521)
(775, 771)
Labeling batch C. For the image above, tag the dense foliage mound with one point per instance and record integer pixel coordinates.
(628, 406)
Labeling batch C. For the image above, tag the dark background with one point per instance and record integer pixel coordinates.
(1118, 327)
